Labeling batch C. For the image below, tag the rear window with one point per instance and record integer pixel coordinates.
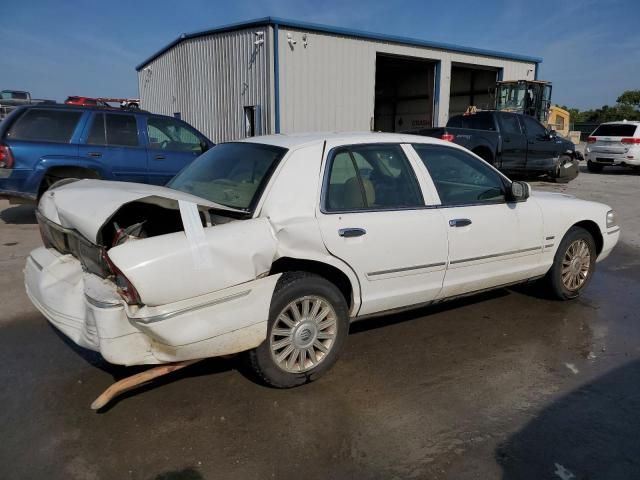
(620, 130)
(476, 121)
(45, 126)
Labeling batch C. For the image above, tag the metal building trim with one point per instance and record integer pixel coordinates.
(314, 27)
(276, 79)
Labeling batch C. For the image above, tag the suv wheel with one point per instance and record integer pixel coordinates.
(573, 264)
(307, 329)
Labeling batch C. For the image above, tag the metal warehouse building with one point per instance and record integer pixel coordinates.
(274, 75)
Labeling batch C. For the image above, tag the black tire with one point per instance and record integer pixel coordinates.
(62, 178)
(293, 286)
(594, 167)
(554, 277)
(563, 175)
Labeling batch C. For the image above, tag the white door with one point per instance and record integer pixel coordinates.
(372, 217)
(492, 241)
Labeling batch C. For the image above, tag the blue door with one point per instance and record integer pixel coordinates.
(173, 145)
(114, 141)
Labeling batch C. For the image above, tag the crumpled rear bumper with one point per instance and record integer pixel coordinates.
(88, 310)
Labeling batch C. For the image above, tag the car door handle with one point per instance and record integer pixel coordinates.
(531, 142)
(159, 157)
(351, 232)
(507, 140)
(94, 154)
(459, 222)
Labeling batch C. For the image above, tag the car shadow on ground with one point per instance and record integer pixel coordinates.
(590, 433)
(19, 214)
(609, 170)
(184, 474)
(206, 367)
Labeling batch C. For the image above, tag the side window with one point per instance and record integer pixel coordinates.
(371, 177)
(343, 190)
(533, 127)
(113, 130)
(45, 126)
(97, 131)
(459, 178)
(169, 134)
(510, 124)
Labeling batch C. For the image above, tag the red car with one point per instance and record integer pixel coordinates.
(85, 101)
(127, 103)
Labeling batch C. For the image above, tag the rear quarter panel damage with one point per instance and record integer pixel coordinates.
(164, 270)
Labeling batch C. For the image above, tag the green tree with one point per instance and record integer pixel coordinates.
(630, 98)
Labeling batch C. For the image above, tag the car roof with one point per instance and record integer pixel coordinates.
(622, 122)
(297, 140)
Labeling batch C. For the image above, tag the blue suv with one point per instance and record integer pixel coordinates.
(40, 145)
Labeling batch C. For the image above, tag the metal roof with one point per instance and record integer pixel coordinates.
(348, 32)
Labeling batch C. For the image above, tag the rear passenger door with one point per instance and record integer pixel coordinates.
(113, 140)
(172, 146)
(373, 217)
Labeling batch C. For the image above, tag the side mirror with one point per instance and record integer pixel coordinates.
(552, 133)
(203, 146)
(520, 191)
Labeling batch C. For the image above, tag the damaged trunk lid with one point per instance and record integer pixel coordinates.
(87, 205)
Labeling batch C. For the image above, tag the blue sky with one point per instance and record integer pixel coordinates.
(591, 49)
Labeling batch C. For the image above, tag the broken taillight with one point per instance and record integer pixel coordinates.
(125, 288)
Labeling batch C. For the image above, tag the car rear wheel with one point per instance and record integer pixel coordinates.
(594, 167)
(308, 327)
(573, 264)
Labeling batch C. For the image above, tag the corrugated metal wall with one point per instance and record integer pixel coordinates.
(210, 79)
(329, 83)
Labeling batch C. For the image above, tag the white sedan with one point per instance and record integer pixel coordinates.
(275, 244)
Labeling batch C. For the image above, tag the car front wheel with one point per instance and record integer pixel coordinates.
(308, 326)
(573, 264)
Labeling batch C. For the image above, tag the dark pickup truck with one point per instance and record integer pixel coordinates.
(514, 143)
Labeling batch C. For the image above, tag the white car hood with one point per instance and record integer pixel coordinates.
(550, 195)
(85, 205)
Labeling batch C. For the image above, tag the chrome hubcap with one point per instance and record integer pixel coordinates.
(303, 334)
(576, 264)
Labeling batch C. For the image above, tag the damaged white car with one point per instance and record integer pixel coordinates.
(275, 244)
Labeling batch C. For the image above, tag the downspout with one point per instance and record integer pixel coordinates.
(535, 72)
(436, 95)
(276, 77)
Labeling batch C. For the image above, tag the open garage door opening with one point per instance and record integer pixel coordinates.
(471, 86)
(404, 93)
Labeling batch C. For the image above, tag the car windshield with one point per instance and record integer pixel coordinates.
(231, 174)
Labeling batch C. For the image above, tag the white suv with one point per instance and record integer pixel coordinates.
(614, 143)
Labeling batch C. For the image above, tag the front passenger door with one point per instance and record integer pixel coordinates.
(513, 155)
(491, 241)
(541, 148)
(172, 146)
